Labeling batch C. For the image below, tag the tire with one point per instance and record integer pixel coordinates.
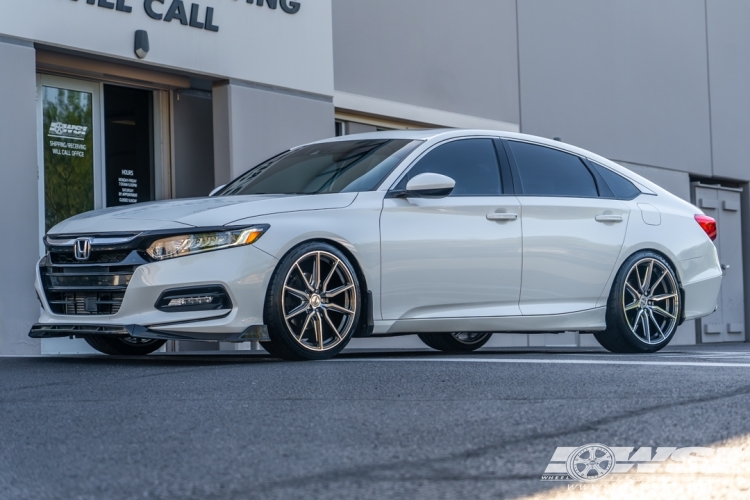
(455, 342)
(646, 286)
(271, 349)
(313, 304)
(124, 346)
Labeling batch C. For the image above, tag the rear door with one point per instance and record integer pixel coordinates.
(573, 229)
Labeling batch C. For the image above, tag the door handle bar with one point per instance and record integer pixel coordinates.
(608, 218)
(502, 216)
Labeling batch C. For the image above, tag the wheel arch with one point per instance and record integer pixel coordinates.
(670, 260)
(361, 277)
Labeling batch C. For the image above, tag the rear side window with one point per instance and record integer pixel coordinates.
(472, 163)
(620, 186)
(549, 172)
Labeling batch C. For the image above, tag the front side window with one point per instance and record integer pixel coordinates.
(548, 172)
(331, 167)
(472, 163)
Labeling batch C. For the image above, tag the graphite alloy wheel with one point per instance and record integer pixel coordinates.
(313, 303)
(455, 342)
(126, 346)
(643, 310)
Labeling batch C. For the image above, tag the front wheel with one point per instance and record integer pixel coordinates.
(455, 342)
(313, 303)
(127, 346)
(643, 310)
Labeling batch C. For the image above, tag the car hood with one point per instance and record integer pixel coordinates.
(196, 212)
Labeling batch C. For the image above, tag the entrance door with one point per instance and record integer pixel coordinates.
(727, 324)
(70, 149)
(129, 145)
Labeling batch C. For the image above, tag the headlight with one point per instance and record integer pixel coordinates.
(188, 244)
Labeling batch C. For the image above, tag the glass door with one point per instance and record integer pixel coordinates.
(70, 149)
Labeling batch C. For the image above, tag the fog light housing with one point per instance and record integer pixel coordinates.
(203, 298)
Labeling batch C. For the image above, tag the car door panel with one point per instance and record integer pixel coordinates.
(570, 247)
(445, 258)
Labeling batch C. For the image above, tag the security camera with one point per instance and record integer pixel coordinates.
(141, 44)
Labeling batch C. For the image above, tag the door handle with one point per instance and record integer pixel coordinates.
(501, 216)
(608, 218)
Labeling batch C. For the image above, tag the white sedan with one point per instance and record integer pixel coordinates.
(452, 235)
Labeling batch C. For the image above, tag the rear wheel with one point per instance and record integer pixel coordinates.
(313, 303)
(455, 342)
(643, 310)
(127, 346)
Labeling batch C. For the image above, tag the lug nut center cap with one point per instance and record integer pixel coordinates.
(315, 301)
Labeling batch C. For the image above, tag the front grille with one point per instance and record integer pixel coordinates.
(96, 258)
(93, 287)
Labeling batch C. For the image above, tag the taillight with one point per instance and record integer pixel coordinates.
(708, 224)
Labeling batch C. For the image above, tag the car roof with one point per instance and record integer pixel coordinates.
(437, 135)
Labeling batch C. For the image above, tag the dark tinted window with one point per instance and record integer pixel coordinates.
(620, 186)
(472, 163)
(549, 172)
(331, 167)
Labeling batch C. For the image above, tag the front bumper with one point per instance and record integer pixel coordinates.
(257, 333)
(244, 272)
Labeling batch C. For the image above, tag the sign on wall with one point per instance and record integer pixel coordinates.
(68, 154)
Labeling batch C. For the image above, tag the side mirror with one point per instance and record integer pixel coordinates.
(216, 190)
(430, 185)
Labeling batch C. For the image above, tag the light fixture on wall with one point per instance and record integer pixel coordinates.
(141, 44)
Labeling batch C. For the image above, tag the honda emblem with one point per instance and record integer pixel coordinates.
(82, 248)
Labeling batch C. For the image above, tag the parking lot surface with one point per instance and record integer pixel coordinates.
(415, 424)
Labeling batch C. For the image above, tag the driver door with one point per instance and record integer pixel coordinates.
(453, 257)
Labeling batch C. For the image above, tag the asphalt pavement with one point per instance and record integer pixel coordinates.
(415, 424)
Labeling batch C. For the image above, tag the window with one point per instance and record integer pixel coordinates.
(549, 172)
(330, 167)
(620, 186)
(472, 163)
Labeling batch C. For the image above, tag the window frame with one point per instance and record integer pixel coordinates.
(602, 189)
(506, 180)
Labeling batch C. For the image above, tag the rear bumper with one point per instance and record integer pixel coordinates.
(701, 297)
(46, 331)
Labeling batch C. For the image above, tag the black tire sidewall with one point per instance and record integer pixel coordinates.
(446, 342)
(119, 347)
(284, 345)
(616, 321)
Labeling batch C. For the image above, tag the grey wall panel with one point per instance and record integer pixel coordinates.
(729, 66)
(19, 307)
(453, 56)
(193, 146)
(628, 80)
(251, 125)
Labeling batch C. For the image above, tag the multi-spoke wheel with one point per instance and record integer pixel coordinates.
(643, 311)
(125, 346)
(313, 304)
(455, 342)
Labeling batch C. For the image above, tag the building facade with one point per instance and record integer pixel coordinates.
(111, 102)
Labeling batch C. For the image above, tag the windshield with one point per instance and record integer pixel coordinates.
(331, 167)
